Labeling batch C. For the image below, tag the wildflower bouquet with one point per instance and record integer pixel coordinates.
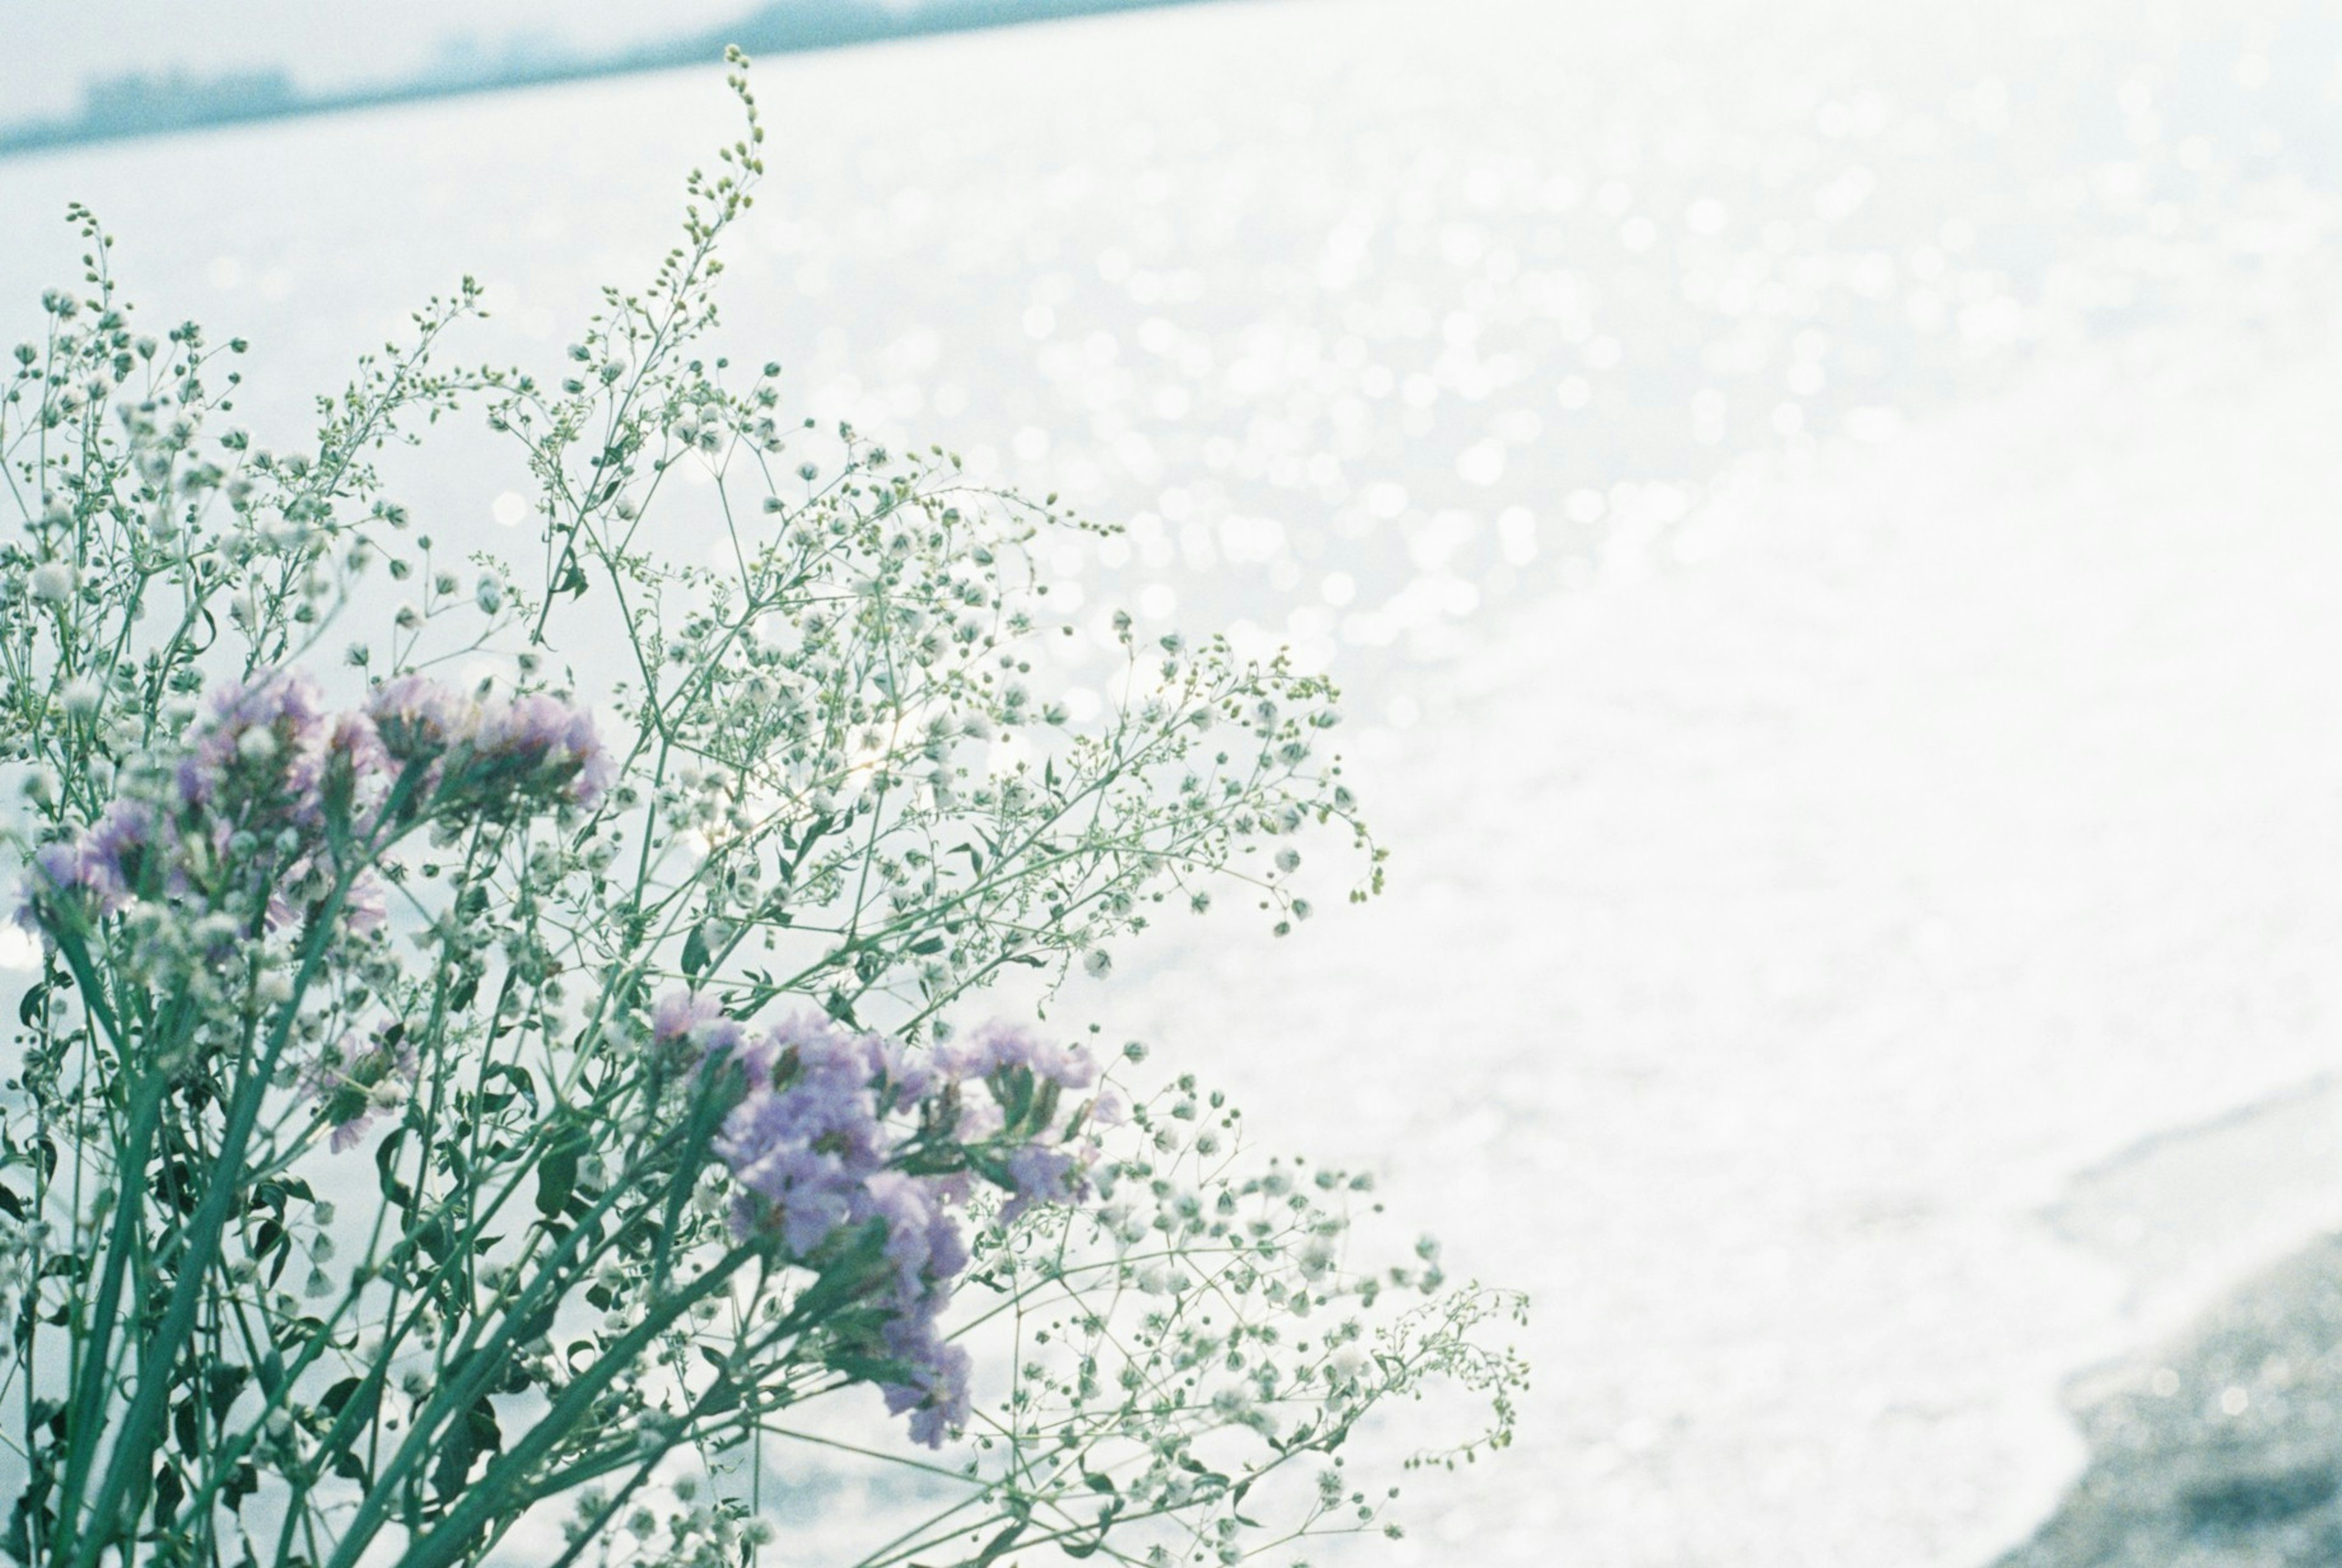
(460, 1118)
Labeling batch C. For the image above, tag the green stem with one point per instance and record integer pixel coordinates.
(452, 1537)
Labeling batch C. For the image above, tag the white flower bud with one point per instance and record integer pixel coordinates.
(256, 744)
(489, 593)
(53, 581)
(81, 697)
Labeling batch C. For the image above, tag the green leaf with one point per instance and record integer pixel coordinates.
(517, 1076)
(999, 1544)
(270, 1239)
(723, 1395)
(556, 1170)
(386, 1154)
(331, 1400)
(226, 1382)
(471, 1439)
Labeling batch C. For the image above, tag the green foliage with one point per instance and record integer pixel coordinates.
(333, 1234)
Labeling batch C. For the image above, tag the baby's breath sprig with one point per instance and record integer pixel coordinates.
(448, 1108)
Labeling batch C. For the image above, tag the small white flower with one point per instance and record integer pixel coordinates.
(81, 697)
(1096, 961)
(257, 744)
(53, 581)
(489, 593)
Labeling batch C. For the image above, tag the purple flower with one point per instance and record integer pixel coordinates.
(979, 1121)
(936, 1395)
(923, 1241)
(97, 865)
(697, 1018)
(366, 908)
(418, 719)
(809, 1138)
(126, 828)
(355, 1087)
(72, 867)
(258, 748)
(1000, 1047)
(814, 1050)
(1044, 1176)
(547, 743)
(844, 1132)
(349, 773)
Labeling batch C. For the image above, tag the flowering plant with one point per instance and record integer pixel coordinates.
(456, 1120)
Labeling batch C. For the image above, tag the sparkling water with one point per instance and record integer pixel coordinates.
(1825, 516)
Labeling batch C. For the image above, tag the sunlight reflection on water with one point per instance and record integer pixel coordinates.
(1480, 352)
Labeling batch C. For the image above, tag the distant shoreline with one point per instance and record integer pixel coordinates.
(131, 107)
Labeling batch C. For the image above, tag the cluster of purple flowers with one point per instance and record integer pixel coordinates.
(99, 864)
(486, 754)
(268, 757)
(260, 752)
(840, 1136)
(275, 799)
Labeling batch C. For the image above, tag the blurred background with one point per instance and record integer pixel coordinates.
(1825, 516)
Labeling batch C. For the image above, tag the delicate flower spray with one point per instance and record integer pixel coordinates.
(456, 1121)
